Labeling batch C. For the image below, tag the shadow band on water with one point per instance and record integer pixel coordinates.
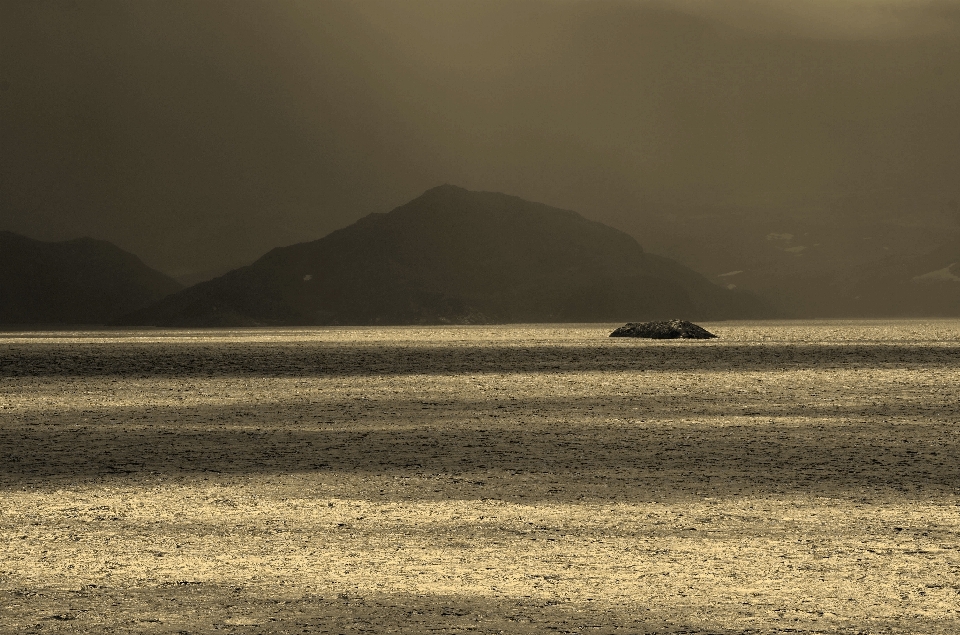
(134, 361)
(488, 457)
(282, 611)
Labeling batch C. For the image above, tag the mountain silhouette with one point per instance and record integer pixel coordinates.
(812, 267)
(82, 281)
(920, 286)
(455, 256)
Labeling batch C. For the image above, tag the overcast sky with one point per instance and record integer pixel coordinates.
(201, 134)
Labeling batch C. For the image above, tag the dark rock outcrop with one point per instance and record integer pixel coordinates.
(82, 281)
(460, 257)
(672, 329)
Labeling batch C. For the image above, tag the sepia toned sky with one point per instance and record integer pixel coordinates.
(200, 134)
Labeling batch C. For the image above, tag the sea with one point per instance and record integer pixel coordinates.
(795, 475)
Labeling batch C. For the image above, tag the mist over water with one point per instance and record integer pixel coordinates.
(201, 135)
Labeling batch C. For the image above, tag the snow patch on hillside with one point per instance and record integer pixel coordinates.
(940, 275)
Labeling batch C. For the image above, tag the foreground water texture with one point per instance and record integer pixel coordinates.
(787, 477)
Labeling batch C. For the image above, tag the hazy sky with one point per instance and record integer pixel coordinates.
(200, 134)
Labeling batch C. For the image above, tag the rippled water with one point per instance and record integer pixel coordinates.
(788, 473)
(912, 331)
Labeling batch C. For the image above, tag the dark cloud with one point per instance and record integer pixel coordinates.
(200, 134)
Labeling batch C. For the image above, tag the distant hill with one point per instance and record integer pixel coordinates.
(921, 286)
(455, 256)
(82, 281)
(806, 266)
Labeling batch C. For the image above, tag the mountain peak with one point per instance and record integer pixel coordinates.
(455, 256)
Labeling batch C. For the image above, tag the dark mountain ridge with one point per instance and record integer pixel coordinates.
(81, 281)
(455, 256)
